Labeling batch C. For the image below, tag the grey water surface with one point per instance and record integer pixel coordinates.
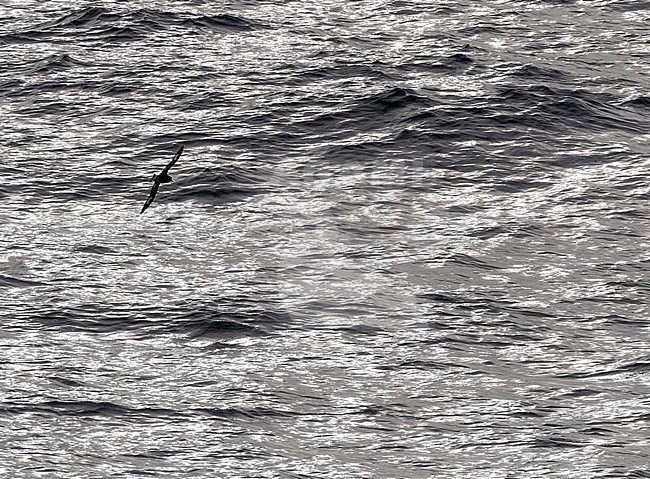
(406, 239)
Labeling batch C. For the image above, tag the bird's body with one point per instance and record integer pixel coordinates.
(163, 177)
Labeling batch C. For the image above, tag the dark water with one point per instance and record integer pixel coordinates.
(405, 240)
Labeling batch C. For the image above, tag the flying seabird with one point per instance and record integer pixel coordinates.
(163, 177)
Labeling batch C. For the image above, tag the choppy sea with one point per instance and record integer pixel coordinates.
(406, 239)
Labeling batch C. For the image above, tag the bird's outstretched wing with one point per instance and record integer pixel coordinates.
(152, 195)
(173, 162)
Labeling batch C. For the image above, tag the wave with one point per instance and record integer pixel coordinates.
(95, 249)
(371, 113)
(543, 107)
(12, 282)
(225, 183)
(223, 318)
(100, 23)
(54, 63)
(449, 64)
(639, 101)
(103, 409)
(84, 17)
(640, 366)
(11, 87)
(419, 120)
(220, 23)
(537, 73)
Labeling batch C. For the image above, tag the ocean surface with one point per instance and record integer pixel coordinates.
(406, 239)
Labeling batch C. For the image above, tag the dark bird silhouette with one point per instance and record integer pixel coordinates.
(163, 177)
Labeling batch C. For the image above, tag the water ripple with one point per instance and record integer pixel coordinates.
(402, 241)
